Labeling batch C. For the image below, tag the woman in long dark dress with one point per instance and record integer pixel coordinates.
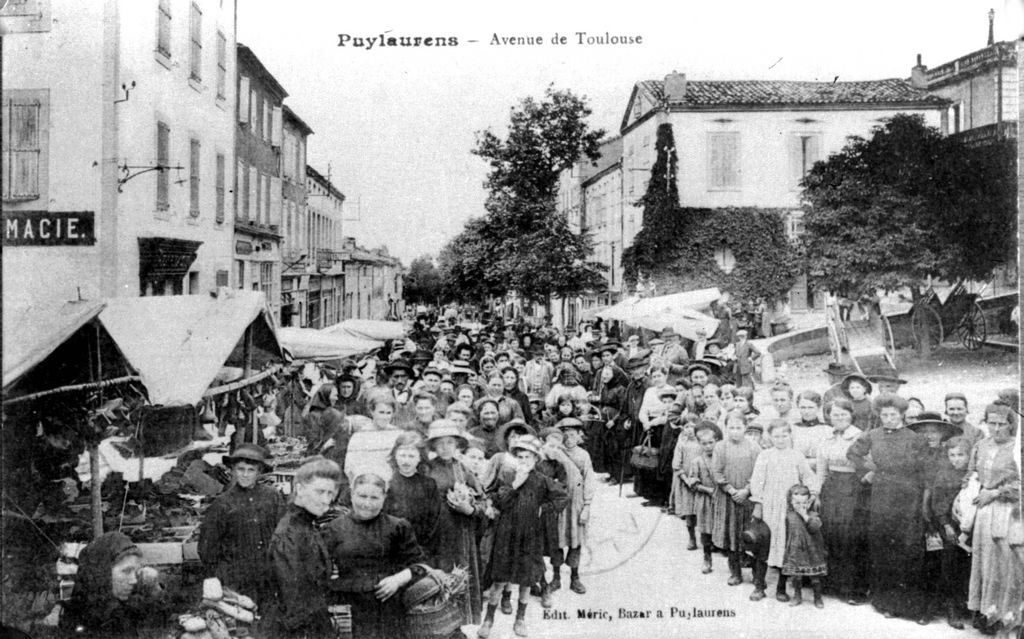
(461, 509)
(412, 495)
(375, 555)
(895, 533)
(843, 507)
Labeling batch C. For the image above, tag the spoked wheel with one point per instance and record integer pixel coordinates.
(972, 328)
(925, 323)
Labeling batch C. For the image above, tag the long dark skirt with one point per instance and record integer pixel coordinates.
(895, 538)
(594, 443)
(843, 517)
(374, 619)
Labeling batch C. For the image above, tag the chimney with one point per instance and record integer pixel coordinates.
(991, 27)
(675, 87)
(918, 77)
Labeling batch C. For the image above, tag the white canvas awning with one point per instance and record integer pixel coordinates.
(366, 329)
(682, 312)
(179, 343)
(32, 333)
(319, 346)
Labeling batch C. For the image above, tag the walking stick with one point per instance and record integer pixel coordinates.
(623, 460)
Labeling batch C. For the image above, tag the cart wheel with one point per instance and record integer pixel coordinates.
(890, 342)
(924, 321)
(972, 328)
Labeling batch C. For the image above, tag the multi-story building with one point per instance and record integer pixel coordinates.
(323, 242)
(257, 179)
(590, 196)
(747, 143)
(373, 282)
(117, 147)
(297, 262)
(982, 88)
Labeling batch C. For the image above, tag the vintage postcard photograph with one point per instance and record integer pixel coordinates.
(447, 320)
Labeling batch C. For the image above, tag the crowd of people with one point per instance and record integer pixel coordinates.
(479, 453)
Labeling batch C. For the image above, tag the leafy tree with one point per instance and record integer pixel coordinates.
(422, 284)
(466, 265)
(888, 211)
(544, 138)
(663, 224)
(522, 244)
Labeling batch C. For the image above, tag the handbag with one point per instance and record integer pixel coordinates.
(644, 456)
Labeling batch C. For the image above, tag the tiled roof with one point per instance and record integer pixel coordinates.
(611, 152)
(772, 92)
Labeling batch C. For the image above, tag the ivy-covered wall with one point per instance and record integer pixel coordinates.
(767, 262)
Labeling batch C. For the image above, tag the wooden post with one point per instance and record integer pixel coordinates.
(246, 373)
(97, 501)
(94, 452)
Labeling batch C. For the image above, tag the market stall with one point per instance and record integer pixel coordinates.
(310, 344)
(686, 313)
(378, 330)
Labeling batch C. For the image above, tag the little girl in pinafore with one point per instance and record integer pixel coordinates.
(708, 434)
(805, 547)
(683, 496)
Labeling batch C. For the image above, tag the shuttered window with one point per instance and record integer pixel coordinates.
(163, 27)
(22, 148)
(219, 208)
(804, 151)
(193, 177)
(241, 192)
(222, 66)
(195, 31)
(163, 176)
(723, 160)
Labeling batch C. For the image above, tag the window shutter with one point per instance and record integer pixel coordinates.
(275, 131)
(254, 182)
(241, 192)
(796, 159)
(813, 150)
(276, 202)
(243, 99)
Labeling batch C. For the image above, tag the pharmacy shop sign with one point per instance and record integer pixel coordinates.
(49, 228)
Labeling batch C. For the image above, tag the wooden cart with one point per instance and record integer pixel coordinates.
(934, 320)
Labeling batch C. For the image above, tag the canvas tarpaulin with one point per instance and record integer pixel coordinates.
(368, 329)
(179, 343)
(680, 311)
(32, 333)
(321, 346)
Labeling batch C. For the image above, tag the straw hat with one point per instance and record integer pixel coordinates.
(445, 428)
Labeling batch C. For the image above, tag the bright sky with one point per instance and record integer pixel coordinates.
(397, 124)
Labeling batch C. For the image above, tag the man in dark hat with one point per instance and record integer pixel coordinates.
(539, 373)
(630, 432)
(235, 535)
(747, 356)
(674, 355)
(400, 377)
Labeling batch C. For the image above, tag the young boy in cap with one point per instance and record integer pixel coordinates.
(237, 528)
(581, 484)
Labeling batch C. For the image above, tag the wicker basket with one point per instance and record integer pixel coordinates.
(437, 621)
